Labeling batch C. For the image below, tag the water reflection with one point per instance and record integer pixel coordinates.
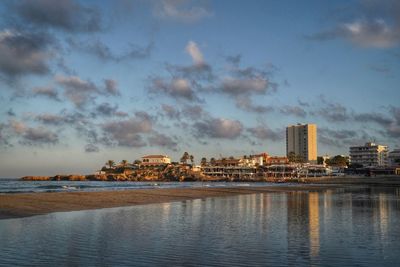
(313, 211)
(351, 226)
(383, 215)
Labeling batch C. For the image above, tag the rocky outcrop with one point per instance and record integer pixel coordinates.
(36, 178)
(167, 173)
(71, 177)
(96, 177)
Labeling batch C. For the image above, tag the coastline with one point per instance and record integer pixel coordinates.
(31, 204)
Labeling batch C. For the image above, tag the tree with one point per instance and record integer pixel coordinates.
(185, 157)
(124, 162)
(203, 162)
(320, 160)
(110, 163)
(137, 162)
(192, 159)
(293, 158)
(212, 161)
(337, 161)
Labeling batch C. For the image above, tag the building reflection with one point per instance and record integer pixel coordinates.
(327, 209)
(297, 228)
(383, 215)
(313, 223)
(165, 213)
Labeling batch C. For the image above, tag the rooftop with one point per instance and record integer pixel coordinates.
(154, 156)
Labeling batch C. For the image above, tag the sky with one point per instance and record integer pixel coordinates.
(82, 82)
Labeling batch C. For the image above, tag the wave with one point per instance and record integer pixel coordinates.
(49, 187)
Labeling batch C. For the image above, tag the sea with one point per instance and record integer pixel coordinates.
(348, 226)
(12, 185)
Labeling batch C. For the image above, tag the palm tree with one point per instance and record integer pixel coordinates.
(203, 162)
(212, 161)
(110, 163)
(192, 159)
(124, 162)
(184, 158)
(291, 157)
(294, 158)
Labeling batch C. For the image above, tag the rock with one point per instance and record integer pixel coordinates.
(36, 178)
(57, 178)
(117, 177)
(75, 177)
(70, 177)
(96, 177)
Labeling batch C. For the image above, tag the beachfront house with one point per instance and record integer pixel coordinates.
(155, 160)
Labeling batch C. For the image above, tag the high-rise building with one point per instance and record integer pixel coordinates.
(301, 139)
(369, 155)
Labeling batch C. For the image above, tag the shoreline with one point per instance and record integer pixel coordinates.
(31, 204)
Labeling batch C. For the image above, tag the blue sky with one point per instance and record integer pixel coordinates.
(82, 82)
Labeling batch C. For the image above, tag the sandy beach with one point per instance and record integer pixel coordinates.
(22, 205)
(30, 204)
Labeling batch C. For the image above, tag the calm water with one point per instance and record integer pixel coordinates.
(351, 227)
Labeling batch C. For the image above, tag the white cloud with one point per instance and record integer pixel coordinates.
(218, 128)
(371, 33)
(237, 86)
(78, 91)
(176, 88)
(181, 10)
(193, 50)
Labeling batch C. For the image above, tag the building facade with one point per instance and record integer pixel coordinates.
(369, 155)
(156, 160)
(394, 157)
(301, 139)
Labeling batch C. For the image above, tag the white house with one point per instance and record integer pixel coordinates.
(156, 160)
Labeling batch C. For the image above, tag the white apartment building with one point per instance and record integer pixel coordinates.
(369, 155)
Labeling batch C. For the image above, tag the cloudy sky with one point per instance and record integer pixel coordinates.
(82, 82)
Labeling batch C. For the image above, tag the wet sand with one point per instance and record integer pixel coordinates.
(22, 205)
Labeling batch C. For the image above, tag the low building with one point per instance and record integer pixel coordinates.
(394, 157)
(265, 159)
(369, 155)
(154, 160)
(232, 168)
(253, 160)
(230, 171)
(231, 162)
(276, 160)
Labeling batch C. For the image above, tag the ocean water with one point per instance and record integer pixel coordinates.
(356, 226)
(9, 186)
